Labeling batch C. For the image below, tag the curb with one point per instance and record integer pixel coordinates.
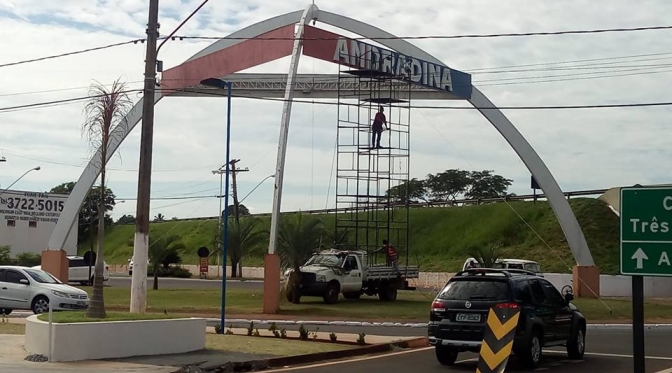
(257, 365)
(399, 324)
(319, 323)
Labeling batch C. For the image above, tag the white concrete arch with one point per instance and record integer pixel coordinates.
(187, 75)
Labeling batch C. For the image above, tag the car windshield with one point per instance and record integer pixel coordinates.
(325, 260)
(42, 276)
(533, 267)
(475, 290)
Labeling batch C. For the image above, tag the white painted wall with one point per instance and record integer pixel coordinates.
(115, 339)
(41, 208)
(610, 286)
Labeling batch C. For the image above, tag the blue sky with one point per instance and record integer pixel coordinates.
(585, 149)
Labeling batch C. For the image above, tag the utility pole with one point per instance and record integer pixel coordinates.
(141, 240)
(235, 188)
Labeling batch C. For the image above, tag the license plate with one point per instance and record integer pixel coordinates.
(81, 303)
(468, 317)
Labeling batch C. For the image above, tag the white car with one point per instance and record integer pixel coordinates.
(79, 271)
(23, 288)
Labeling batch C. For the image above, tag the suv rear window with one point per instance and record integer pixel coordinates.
(475, 289)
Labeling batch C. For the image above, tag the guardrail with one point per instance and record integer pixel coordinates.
(460, 202)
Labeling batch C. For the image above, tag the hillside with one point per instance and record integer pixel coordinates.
(438, 236)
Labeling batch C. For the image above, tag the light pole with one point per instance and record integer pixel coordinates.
(20, 177)
(255, 188)
(214, 82)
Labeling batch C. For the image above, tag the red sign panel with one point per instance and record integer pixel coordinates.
(204, 265)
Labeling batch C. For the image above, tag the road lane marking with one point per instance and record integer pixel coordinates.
(354, 360)
(613, 355)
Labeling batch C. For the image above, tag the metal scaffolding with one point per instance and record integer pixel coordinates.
(369, 181)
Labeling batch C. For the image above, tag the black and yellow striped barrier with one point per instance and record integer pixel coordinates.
(498, 339)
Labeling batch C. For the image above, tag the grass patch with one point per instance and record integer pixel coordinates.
(8, 328)
(410, 305)
(80, 316)
(438, 236)
(271, 346)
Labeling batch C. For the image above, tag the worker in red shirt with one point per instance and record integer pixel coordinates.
(391, 256)
(377, 128)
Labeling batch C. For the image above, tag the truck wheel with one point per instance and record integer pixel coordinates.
(388, 292)
(289, 294)
(352, 295)
(331, 295)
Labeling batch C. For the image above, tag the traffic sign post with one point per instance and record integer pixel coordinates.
(646, 247)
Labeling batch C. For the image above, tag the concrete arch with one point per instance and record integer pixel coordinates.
(216, 61)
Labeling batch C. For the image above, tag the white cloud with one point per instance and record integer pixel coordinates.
(583, 148)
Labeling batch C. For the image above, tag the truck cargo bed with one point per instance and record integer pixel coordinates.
(383, 272)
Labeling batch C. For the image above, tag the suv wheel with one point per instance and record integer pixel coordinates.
(532, 355)
(576, 345)
(446, 355)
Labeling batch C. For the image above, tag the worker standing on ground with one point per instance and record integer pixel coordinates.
(377, 128)
(391, 256)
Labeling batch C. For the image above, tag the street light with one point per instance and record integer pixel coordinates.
(218, 83)
(255, 188)
(20, 177)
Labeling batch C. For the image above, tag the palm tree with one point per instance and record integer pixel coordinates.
(105, 111)
(298, 239)
(163, 251)
(487, 258)
(243, 239)
(159, 217)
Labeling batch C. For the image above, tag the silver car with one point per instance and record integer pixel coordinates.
(23, 288)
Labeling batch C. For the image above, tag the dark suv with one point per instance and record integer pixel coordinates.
(457, 320)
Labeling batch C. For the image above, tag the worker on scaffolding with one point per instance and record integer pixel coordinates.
(377, 128)
(391, 256)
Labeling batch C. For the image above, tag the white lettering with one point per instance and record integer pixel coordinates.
(667, 203)
(357, 54)
(424, 72)
(416, 71)
(634, 224)
(375, 58)
(664, 259)
(654, 225)
(446, 80)
(399, 67)
(434, 78)
(342, 51)
(664, 227)
(387, 56)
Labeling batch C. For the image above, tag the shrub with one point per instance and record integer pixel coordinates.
(333, 337)
(218, 329)
(178, 272)
(360, 340)
(303, 333)
(28, 259)
(250, 328)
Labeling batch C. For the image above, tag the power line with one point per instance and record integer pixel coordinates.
(58, 102)
(556, 107)
(464, 36)
(436, 37)
(72, 53)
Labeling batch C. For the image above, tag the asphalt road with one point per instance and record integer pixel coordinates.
(188, 283)
(607, 351)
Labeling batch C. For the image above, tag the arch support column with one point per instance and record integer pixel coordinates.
(586, 274)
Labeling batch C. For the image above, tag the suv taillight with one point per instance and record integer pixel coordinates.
(507, 305)
(438, 306)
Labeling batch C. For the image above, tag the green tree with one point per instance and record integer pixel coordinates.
(242, 210)
(243, 240)
(28, 259)
(447, 185)
(88, 212)
(5, 255)
(163, 252)
(414, 190)
(298, 238)
(485, 184)
(105, 110)
(485, 257)
(126, 219)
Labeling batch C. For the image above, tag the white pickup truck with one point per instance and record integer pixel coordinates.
(329, 273)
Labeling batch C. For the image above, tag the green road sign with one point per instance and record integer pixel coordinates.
(646, 231)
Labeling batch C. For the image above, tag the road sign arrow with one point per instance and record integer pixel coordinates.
(640, 256)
